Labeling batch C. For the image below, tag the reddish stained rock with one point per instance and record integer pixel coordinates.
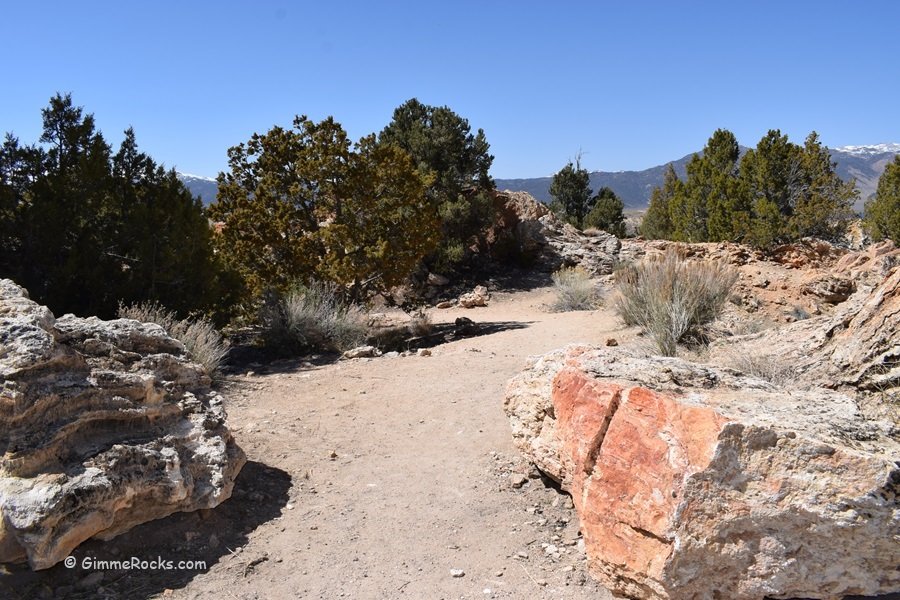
(695, 482)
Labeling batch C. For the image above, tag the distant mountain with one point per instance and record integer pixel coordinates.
(202, 187)
(863, 163)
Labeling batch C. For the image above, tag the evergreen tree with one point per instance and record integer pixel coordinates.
(88, 230)
(657, 222)
(456, 162)
(882, 213)
(824, 206)
(607, 213)
(301, 204)
(571, 192)
(703, 211)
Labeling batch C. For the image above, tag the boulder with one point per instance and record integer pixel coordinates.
(477, 297)
(693, 481)
(362, 352)
(526, 229)
(104, 425)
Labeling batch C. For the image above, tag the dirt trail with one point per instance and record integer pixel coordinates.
(373, 479)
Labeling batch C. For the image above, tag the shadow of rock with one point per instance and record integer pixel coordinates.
(209, 536)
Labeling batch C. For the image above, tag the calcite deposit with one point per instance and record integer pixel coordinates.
(104, 425)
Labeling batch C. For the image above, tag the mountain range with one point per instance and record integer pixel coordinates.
(862, 163)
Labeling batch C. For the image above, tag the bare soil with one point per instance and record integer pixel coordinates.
(370, 478)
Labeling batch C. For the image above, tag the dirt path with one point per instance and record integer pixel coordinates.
(373, 479)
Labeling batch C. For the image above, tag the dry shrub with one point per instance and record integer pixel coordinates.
(766, 367)
(574, 290)
(203, 342)
(419, 324)
(670, 297)
(313, 317)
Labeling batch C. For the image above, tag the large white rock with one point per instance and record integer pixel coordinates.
(104, 425)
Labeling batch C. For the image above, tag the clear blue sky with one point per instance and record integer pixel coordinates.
(630, 84)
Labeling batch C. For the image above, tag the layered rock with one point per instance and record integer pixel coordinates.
(104, 425)
(697, 482)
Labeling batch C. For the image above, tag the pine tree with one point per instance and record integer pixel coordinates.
(301, 204)
(457, 162)
(657, 221)
(571, 192)
(882, 213)
(607, 213)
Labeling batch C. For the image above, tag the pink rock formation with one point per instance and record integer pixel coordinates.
(694, 482)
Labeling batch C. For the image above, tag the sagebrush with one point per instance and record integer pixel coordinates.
(574, 290)
(203, 342)
(313, 317)
(670, 297)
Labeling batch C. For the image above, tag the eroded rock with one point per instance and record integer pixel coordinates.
(693, 481)
(104, 425)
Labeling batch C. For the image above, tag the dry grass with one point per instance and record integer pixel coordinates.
(670, 297)
(574, 290)
(765, 367)
(203, 342)
(420, 324)
(313, 317)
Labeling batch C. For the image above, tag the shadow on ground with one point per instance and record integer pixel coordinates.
(260, 494)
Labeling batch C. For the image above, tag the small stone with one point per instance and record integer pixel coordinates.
(487, 591)
(541, 582)
(498, 573)
(518, 480)
(333, 455)
(457, 573)
(446, 304)
(424, 352)
(612, 342)
(522, 554)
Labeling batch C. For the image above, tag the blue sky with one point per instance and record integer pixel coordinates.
(629, 84)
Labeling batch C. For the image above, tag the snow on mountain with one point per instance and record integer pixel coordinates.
(872, 149)
(202, 187)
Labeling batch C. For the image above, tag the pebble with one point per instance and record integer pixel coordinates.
(541, 582)
(521, 554)
(457, 573)
(518, 480)
(424, 352)
(551, 549)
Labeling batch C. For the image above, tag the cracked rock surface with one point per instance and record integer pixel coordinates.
(692, 481)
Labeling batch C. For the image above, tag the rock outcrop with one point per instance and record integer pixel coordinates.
(104, 425)
(527, 229)
(696, 482)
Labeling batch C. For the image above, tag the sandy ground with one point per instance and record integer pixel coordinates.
(370, 478)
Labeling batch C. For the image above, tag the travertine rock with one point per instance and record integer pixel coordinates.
(477, 297)
(527, 228)
(104, 425)
(696, 482)
(857, 347)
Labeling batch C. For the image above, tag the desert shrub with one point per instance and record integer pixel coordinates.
(312, 317)
(574, 290)
(203, 342)
(670, 297)
(766, 367)
(419, 323)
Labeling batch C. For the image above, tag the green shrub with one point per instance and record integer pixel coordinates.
(312, 317)
(670, 297)
(574, 290)
(204, 343)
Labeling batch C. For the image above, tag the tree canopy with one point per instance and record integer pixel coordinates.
(607, 213)
(83, 229)
(301, 204)
(882, 213)
(571, 193)
(775, 193)
(456, 161)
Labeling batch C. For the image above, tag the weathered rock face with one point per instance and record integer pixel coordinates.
(527, 228)
(696, 482)
(104, 425)
(857, 348)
